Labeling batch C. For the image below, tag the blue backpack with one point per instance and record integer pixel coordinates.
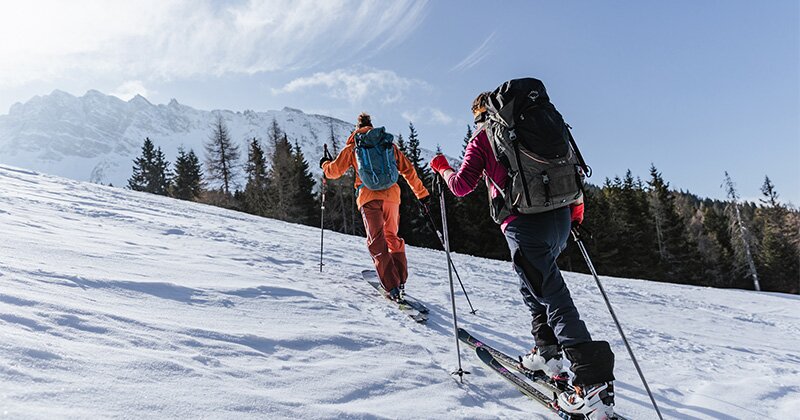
(377, 166)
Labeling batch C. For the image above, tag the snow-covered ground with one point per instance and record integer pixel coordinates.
(122, 304)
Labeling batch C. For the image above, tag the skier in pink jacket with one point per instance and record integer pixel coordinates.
(535, 241)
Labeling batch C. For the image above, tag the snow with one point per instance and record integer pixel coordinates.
(122, 304)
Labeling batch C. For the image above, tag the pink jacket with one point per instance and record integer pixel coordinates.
(479, 160)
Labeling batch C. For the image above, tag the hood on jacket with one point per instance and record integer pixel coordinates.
(352, 138)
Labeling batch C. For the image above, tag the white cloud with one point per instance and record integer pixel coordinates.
(169, 39)
(356, 85)
(130, 89)
(428, 115)
(476, 56)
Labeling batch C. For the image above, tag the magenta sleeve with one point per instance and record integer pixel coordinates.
(470, 173)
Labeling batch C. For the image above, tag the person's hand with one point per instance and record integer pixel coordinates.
(440, 164)
(323, 160)
(576, 212)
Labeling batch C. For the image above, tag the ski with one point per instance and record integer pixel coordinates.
(372, 277)
(507, 362)
(413, 312)
(525, 387)
(511, 363)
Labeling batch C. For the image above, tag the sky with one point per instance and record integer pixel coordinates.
(694, 88)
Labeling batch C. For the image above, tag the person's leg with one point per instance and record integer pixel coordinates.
(542, 333)
(541, 239)
(372, 214)
(396, 244)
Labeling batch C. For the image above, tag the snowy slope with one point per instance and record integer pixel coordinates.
(96, 136)
(122, 304)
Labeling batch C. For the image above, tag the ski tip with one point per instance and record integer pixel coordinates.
(464, 336)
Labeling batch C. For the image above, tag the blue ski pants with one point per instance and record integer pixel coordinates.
(535, 242)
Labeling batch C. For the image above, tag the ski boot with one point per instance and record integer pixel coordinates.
(546, 359)
(595, 402)
(395, 295)
(402, 288)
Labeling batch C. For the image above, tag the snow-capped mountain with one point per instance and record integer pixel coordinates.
(95, 137)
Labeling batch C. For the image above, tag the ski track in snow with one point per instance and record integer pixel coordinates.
(122, 304)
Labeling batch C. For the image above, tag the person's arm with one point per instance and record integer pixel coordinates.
(406, 169)
(336, 168)
(469, 174)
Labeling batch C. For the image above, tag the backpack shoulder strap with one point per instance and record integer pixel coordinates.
(586, 168)
(496, 187)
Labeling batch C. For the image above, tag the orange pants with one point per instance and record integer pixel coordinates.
(388, 250)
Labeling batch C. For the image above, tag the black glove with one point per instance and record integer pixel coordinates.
(323, 160)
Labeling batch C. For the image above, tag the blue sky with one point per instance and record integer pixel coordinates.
(695, 88)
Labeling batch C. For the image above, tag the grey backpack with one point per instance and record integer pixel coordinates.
(530, 139)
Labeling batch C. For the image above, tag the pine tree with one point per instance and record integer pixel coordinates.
(716, 225)
(634, 247)
(306, 209)
(150, 171)
(415, 155)
(282, 187)
(777, 259)
(142, 167)
(187, 184)
(401, 144)
(770, 194)
(679, 258)
(255, 192)
(161, 175)
(222, 156)
(467, 139)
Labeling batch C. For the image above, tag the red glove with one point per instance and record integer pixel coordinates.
(439, 163)
(577, 213)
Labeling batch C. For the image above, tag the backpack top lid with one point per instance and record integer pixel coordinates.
(514, 96)
(373, 137)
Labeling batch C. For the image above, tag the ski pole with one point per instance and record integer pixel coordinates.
(576, 235)
(322, 209)
(446, 243)
(429, 218)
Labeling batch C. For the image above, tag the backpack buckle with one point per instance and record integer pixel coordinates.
(512, 135)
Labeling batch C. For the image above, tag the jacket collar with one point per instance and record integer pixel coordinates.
(352, 138)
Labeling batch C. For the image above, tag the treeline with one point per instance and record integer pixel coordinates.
(645, 230)
(640, 229)
(279, 184)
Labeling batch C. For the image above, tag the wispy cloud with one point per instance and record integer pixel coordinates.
(476, 56)
(170, 39)
(357, 85)
(428, 115)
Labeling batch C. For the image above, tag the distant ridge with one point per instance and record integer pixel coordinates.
(95, 137)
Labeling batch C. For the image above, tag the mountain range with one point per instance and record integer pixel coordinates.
(95, 137)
